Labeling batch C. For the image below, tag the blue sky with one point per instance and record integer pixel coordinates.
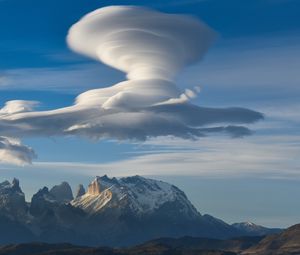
(254, 64)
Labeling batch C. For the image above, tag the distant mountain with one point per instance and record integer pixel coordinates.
(112, 212)
(284, 243)
(252, 229)
(163, 246)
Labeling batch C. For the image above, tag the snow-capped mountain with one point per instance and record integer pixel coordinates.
(135, 209)
(139, 195)
(114, 212)
(252, 229)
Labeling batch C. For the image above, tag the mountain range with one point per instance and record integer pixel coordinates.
(285, 243)
(110, 212)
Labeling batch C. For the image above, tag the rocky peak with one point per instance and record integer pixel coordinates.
(7, 187)
(94, 187)
(10, 188)
(12, 199)
(41, 201)
(41, 194)
(45, 200)
(62, 192)
(16, 185)
(135, 194)
(4, 186)
(80, 191)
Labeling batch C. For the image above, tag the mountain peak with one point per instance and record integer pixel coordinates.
(80, 191)
(94, 187)
(14, 186)
(12, 199)
(15, 183)
(253, 229)
(62, 192)
(247, 224)
(136, 194)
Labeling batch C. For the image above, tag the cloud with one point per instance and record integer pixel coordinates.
(272, 157)
(4, 81)
(151, 48)
(13, 152)
(141, 42)
(17, 106)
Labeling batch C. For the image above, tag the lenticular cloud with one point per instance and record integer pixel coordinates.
(151, 48)
(143, 43)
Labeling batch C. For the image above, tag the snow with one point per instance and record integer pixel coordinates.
(92, 203)
(142, 195)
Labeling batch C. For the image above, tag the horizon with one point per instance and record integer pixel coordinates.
(212, 106)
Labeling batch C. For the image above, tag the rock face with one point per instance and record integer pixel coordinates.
(13, 214)
(42, 201)
(80, 191)
(62, 192)
(12, 200)
(94, 187)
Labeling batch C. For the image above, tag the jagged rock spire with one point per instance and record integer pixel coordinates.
(94, 187)
(16, 185)
(15, 182)
(80, 191)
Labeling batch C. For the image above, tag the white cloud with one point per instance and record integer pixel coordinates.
(17, 106)
(260, 157)
(12, 151)
(151, 47)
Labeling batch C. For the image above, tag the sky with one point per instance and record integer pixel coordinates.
(248, 56)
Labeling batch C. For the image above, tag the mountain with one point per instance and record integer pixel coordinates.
(112, 212)
(62, 192)
(13, 214)
(285, 243)
(135, 209)
(136, 194)
(12, 200)
(80, 191)
(255, 230)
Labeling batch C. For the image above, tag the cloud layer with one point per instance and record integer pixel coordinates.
(151, 47)
(13, 152)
